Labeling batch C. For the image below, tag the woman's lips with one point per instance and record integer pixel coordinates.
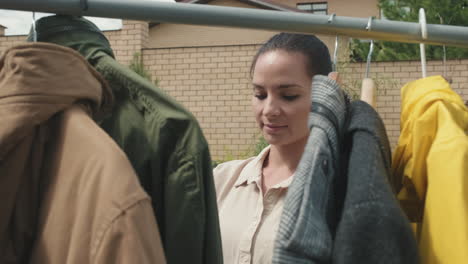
(273, 128)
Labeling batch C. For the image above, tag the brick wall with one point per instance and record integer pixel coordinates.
(9, 41)
(132, 38)
(214, 84)
(391, 76)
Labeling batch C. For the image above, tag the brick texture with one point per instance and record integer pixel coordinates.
(132, 38)
(216, 89)
(390, 78)
(10, 41)
(214, 84)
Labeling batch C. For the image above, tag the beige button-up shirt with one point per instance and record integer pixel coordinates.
(249, 220)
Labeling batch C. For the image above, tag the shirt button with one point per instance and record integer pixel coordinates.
(245, 258)
(325, 166)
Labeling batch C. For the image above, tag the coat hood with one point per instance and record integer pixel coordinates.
(74, 32)
(426, 105)
(38, 80)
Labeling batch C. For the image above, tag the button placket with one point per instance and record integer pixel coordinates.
(269, 200)
(247, 241)
(245, 258)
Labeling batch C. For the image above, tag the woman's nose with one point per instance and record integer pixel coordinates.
(272, 107)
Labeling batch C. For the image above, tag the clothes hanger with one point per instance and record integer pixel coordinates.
(422, 22)
(334, 74)
(34, 32)
(444, 63)
(331, 18)
(368, 85)
(335, 55)
(444, 58)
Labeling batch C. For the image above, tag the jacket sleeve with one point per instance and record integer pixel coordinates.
(131, 237)
(372, 227)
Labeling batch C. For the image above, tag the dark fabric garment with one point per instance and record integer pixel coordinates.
(305, 233)
(372, 228)
(162, 140)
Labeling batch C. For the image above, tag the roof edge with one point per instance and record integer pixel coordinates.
(266, 4)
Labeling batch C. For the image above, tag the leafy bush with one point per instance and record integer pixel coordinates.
(447, 12)
(260, 144)
(138, 66)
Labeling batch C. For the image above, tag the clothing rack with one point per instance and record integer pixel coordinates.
(297, 22)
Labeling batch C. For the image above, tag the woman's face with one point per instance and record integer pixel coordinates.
(281, 101)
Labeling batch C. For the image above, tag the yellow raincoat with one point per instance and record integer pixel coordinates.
(430, 169)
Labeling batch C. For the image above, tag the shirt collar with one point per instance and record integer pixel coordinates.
(253, 171)
(284, 184)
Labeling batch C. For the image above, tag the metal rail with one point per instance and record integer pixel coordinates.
(195, 14)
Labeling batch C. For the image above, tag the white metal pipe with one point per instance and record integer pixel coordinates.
(196, 14)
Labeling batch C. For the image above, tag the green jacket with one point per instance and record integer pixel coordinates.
(162, 140)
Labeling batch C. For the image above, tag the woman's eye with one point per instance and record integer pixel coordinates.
(290, 97)
(260, 96)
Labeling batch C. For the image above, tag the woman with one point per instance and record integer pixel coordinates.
(250, 192)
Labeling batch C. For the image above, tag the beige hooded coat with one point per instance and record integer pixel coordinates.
(68, 193)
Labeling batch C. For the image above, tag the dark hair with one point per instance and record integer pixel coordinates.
(315, 51)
